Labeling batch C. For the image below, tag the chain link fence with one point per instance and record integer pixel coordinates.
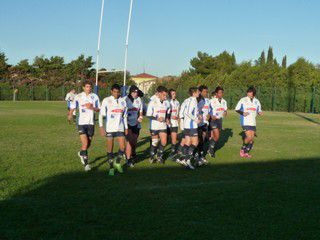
(272, 99)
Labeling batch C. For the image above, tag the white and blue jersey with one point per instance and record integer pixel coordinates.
(135, 109)
(70, 99)
(217, 107)
(174, 112)
(86, 115)
(191, 113)
(203, 108)
(252, 107)
(157, 109)
(115, 113)
(181, 113)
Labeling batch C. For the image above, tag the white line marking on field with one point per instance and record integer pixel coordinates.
(187, 185)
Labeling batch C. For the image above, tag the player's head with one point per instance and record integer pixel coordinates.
(134, 91)
(115, 90)
(172, 94)
(194, 92)
(72, 90)
(140, 93)
(162, 93)
(87, 87)
(203, 91)
(251, 92)
(219, 92)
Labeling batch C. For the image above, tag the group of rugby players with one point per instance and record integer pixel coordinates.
(199, 118)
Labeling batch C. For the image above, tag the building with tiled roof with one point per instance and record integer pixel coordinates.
(144, 81)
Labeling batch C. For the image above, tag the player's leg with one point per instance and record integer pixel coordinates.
(85, 134)
(135, 135)
(200, 145)
(247, 139)
(163, 142)
(154, 146)
(215, 135)
(192, 141)
(129, 144)
(109, 146)
(121, 142)
(174, 142)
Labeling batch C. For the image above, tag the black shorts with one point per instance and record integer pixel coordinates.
(173, 130)
(114, 134)
(134, 129)
(203, 128)
(191, 132)
(216, 124)
(86, 129)
(249, 128)
(156, 132)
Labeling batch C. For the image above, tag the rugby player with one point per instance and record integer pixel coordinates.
(218, 110)
(88, 103)
(203, 108)
(135, 117)
(174, 120)
(180, 157)
(248, 108)
(191, 120)
(70, 99)
(158, 112)
(114, 110)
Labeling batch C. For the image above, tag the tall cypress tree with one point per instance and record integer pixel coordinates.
(270, 56)
(262, 59)
(284, 62)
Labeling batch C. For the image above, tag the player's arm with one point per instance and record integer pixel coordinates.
(259, 110)
(97, 106)
(73, 106)
(191, 111)
(150, 113)
(225, 111)
(125, 119)
(212, 110)
(239, 109)
(102, 115)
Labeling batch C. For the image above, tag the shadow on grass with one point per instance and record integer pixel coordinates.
(265, 200)
(225, 134)
(307, 118)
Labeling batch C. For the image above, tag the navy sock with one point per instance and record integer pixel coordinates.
(110, 159)
(119, 157)
(160, 150)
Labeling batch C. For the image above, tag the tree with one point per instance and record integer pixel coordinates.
(270, 56)
(262, 59)
(284, 62)
(3, 66)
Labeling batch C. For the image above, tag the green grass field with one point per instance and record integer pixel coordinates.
(45, 194)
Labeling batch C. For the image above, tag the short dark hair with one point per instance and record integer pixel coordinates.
(202, 87)
(192, 90)
(133, 88)
(162, 89)
(219, 88)
(170, 91)
(115, 86)
(87, 82)
(252, 89)
(140, 93)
